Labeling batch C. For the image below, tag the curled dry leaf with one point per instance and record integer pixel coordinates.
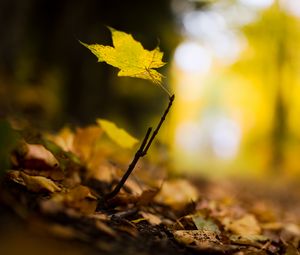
(38, 156)
(177, 193)
(55, 174)
(39, 183)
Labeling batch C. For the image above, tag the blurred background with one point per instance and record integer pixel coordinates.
(234, 66)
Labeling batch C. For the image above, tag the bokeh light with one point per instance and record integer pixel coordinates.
(259, 4)
(192, 57)
(292, 7)
(238, 105)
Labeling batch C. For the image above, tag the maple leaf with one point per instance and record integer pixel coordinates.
(130, 57)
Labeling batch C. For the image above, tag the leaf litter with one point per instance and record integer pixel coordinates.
(59, 186)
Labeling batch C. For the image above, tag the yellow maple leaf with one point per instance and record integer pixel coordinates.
(118, 135)
(130, 57)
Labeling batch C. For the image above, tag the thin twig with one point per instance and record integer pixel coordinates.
(171, 99)
(141, 152)
(136, 158)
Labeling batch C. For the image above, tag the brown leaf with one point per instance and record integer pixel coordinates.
(55, 174)
(85, 141)
(81, 199)
(201, 239)
(247, 225)
(78, 193)
(38, 157)
(78, 200)
(39, 183)
(177, 193)
(253, 240)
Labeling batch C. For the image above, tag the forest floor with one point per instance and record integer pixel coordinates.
(51, 203)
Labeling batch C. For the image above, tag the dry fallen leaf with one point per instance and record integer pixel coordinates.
(38, 156)
(81, 199)
(55, 174)
(177, 193)
(253, 240)
(85, 141)
(39, 183)
(202, 239)
(245, 226)
(78, 193)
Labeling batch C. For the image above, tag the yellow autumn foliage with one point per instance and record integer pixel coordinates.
(130, 57)
(118, 135)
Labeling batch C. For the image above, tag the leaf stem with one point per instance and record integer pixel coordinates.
(141, 152)
(165, 89)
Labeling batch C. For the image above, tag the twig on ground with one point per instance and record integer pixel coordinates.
(141, 152)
